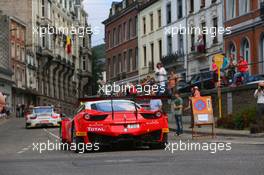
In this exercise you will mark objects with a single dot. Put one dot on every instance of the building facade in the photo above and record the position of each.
(150, 37)
(246, 18)
(175, 36)
(201, 47)
(121, 41)
(58, 63)
(6, 72)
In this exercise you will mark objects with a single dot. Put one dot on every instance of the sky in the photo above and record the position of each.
(98, 11)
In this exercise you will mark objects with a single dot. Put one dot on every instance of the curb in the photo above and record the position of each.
(260, 135)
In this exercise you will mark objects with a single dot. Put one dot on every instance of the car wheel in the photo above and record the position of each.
(77, 141)
(160, 145)
(27, 126)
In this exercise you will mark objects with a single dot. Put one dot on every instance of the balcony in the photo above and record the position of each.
(174, 59)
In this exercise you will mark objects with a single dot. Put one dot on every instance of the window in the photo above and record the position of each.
(191, 6)
(151, 22)
(119, 34)
(114, 66)
(130, 26)
(145, 55)
(180, 43)
(129, 59)
(43, 8)
(192, 39)
(48, 10)
(124, 31)
(168, 13)
(152, 56)
(119, 63)
(246, 50)
(244, 6)
(159, 18)
(262, 52)
(169, 44)
(231, 9)
(114, 37)
(124, 62)
(84, 63)
(136, 26)
(202, 3)
(136, 59)
(109, 68)
(232, 50)
(144, 25)
(18, 52)
(180, 8)
(215, 24)
(160, 49)
(23, 54)
(109, 39)
(13, 50)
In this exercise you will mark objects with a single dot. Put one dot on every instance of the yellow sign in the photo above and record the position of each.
(219, 59)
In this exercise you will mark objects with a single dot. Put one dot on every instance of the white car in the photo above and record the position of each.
(42, 116)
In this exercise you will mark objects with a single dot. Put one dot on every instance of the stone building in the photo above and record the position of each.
(204, 14)
(121, 41)
(246, 18)
(58, 63)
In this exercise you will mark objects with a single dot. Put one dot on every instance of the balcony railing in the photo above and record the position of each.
(173, 59)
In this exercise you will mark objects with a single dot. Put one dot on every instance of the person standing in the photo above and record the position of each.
(259, 94)
(161, 78)
(242, 68)
(172, 83)
(178, 106)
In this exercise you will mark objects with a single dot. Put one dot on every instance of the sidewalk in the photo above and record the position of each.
(208, 129)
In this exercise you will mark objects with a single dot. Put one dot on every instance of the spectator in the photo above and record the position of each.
(231, 67)
(161, 78)
(172, 84)
(242, 68)
(155, 104)
(259, 94)
(195, 93)
(215, 72)
(178, 105)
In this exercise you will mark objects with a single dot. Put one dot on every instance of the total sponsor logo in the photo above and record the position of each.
(96, 129)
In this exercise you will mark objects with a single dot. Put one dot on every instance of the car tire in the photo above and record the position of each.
(76, 140)
(161, 145)
(27, 125)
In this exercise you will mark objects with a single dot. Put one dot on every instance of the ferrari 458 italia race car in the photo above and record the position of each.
(42, 116)
(111, 122)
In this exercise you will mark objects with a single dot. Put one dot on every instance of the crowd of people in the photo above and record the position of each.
(232, 73)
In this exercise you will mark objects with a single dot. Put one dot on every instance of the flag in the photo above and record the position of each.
(68, 45)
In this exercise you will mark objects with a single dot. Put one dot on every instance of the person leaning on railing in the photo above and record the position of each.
(242, 68)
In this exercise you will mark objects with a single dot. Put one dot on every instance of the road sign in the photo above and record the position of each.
(202, 113)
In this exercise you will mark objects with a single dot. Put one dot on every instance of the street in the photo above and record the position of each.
(17, 156)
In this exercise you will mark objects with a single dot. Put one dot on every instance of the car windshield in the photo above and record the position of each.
(118, 106)
(43, 110)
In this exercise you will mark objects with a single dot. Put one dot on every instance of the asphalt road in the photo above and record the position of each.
(17, 156)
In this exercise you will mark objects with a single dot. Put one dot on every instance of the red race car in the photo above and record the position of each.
(109, 122)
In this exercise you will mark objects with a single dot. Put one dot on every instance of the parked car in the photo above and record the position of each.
(203, 80)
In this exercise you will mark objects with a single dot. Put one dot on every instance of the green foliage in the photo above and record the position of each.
(98, 53)
(240, 120)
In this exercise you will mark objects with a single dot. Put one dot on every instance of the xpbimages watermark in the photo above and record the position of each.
(182, 30)
(212, 147)
(57, 146)
(79, 31)
(107, 89)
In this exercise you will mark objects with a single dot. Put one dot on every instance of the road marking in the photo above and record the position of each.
(19, 152)
(118, 161)
(54, 135)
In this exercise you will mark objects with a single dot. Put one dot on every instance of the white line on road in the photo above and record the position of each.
(54, 135)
